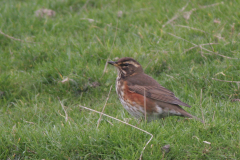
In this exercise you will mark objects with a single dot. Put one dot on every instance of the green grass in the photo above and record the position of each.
(32, 122)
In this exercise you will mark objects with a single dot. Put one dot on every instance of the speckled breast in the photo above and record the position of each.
(133, 108)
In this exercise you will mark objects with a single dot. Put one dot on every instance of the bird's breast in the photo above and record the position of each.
(133, 99)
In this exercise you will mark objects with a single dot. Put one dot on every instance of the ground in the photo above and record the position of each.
(53, 61)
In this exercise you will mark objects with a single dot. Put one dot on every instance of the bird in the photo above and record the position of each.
(142, 96)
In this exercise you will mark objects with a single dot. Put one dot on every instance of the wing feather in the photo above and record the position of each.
(154, 91)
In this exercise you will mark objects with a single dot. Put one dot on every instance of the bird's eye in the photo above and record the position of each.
(125, 64)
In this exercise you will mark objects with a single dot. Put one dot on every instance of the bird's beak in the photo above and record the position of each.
(112, 63)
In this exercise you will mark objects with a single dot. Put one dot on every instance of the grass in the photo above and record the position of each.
(32, 121)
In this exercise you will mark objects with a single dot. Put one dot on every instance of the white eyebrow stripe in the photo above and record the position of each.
(129, 62)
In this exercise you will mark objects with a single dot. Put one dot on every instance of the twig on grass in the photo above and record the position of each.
(190, 28)
(90, 20)
(147, 64)
(199, 46)
(213, 116)
(226, 81)
(211, 5)
(16, 39)
(187, 14)
(202, 54)
(145, 109)
(29, 122)
(189, 49)
(109, 122)
(126, 124)
(180, 38)
(195, 137)
(201, 108)
(99, 41)
(66, 115)
(176, 15)
(104, 106)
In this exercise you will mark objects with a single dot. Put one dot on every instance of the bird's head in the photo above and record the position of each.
(127, 67)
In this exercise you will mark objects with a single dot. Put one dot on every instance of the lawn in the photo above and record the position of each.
(51, 65)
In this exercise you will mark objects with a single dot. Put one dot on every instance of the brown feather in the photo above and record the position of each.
(168, 107)
(153, 89)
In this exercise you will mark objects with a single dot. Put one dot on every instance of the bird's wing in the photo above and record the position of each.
(154, 91)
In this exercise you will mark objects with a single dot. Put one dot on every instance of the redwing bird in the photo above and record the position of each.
(142, 96)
